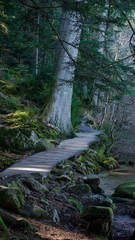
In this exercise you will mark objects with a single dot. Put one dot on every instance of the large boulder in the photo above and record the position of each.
(11, 198)
(100, 220)
(20, 140)
(92, 179)
(80, 189)
(125, 190)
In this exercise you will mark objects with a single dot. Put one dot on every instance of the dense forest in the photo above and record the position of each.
(68, 66)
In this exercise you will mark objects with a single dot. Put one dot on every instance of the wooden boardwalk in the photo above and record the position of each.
(44, 161)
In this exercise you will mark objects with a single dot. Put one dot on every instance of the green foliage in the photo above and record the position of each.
(11, 103)
(76, 111)
(76, 203)
(2, 225)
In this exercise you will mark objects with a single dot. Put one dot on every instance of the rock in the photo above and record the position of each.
(97, 190)
(11, 198)
(56, 216)
(121, 162)
(20, 140)
(39, 213)
(122, 200)
(25, 225)
(13, 221)
(80, 189)
(101, 200)
(100, 220)
(35, 185)
(131, 163)
(125, 190)
(92, 179)
(61, 197)
(63, 178)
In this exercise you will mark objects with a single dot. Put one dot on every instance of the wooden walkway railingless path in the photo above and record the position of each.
(44, 161)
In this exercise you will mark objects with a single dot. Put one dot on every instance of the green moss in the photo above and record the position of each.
(110, 163)
(121, 162)
(77, 204)
(8, 88)
(11, 198)
(98, 212)
(131, 163)
(6, 161)
(80, 189)
(18, 118)
(125, 190)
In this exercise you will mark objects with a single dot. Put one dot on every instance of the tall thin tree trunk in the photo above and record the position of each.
(58, 110)
(37, 48)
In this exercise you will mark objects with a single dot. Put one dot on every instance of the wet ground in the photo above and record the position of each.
(110, 180)
(124, 214)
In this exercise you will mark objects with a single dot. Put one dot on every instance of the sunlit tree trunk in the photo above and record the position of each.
(58, 110)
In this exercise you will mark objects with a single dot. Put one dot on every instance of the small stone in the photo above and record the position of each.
(56, 216)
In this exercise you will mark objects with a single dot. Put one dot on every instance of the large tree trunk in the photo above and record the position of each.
(58, 110)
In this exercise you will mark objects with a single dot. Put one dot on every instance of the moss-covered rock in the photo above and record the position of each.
(121, 162)
(100, 220)
(131, 163)
(39, 213)
(92, 179)
(110, 163)
(11, 198)
(80, 189)
(101, 200)
(25, 225)
(20, 140)
(125, 190)
(35, 185)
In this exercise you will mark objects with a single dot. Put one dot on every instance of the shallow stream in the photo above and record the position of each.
(124, 214)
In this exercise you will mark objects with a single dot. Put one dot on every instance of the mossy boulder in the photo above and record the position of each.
(25, 225)
(101, 200)
(125, 190)
(80, 189)
(20, 140)
(100, 220)
(39, 213)
(131, 163)
(11, 198)
(93, 212)
(92, 179)
(34, 185)
(110, 163)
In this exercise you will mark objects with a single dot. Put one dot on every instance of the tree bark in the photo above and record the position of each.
(58, 110)
(37, 48)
